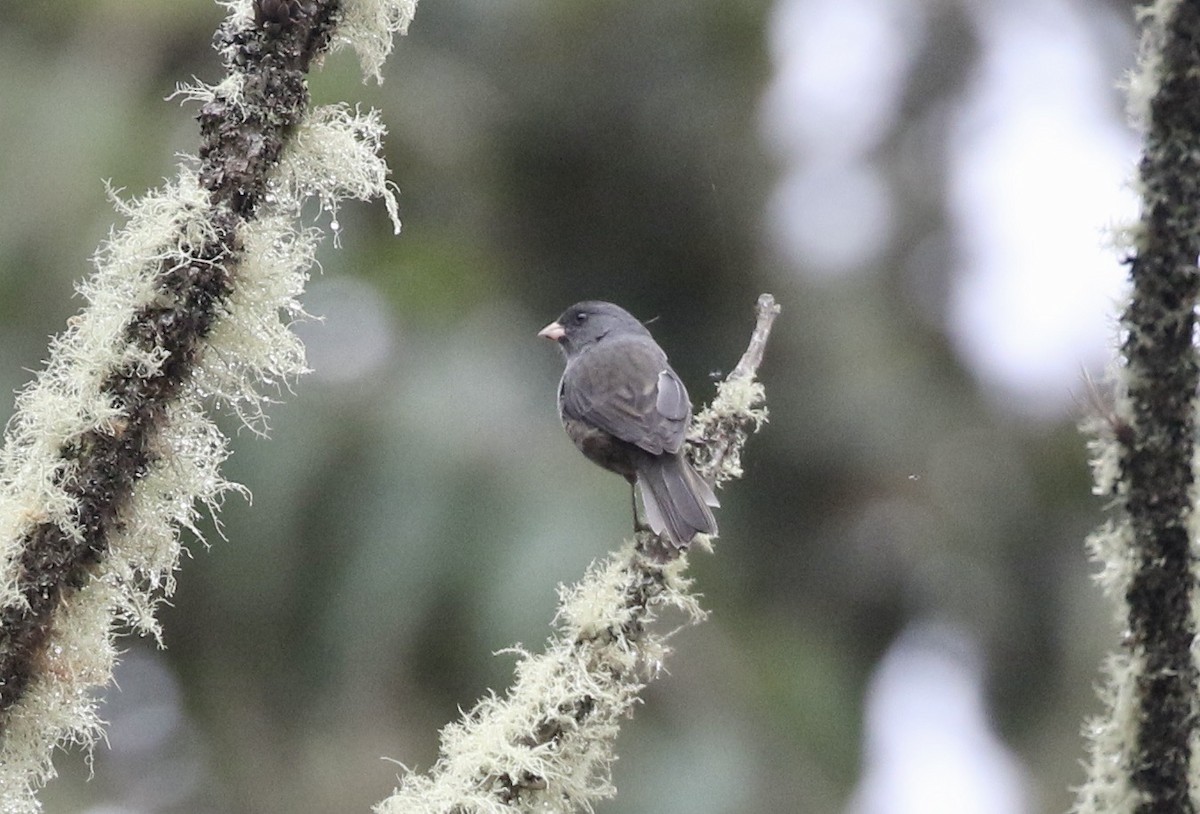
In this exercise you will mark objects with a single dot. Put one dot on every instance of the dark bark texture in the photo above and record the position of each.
(241, 142)
(1157, 458)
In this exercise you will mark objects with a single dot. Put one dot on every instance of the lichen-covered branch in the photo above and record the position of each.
(548, 744)
(110, 449)
(719, 431)
(1143, 753)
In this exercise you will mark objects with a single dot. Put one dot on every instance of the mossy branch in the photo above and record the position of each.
(1142, 754)
(110, 449)
(548, 744)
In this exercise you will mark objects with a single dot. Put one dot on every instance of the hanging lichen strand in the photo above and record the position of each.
(110, 450)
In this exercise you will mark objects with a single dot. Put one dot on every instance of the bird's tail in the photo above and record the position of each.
(677, 500)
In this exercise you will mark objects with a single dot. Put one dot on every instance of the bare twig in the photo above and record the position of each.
(747, 367)
(719, 431)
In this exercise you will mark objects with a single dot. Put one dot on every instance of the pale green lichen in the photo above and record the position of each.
(335, 155)
(1142, 82)
(1111, 547)
(737, 409)
(1107, 789)
(250, 352)
(549, 743)
(369, 27)
(1105, 418)
(62, 712)
(65, 400)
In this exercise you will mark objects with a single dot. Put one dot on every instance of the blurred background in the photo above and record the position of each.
(902, 614)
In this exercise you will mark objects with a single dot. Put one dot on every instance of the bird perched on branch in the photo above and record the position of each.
(627, 410)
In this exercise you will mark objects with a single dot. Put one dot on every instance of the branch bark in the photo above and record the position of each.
(1142, 755)
(110, 447)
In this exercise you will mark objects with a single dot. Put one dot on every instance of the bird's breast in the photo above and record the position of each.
(603, 449)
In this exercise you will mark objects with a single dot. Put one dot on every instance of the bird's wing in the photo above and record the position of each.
(630, 391)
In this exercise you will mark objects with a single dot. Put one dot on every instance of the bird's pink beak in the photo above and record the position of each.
(552, 331)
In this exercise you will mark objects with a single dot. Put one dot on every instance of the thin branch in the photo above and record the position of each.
(549, 743)
(720, 431)
(747, 367)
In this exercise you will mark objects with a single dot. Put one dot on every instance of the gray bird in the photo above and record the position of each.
(627, 410)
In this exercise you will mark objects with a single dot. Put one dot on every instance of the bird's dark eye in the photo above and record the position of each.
(581, 317)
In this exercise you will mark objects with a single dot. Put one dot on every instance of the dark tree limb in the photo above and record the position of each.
(1142, 755)
(1163, 375)
(110, 448)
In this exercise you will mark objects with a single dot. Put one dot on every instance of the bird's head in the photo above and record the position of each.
(585, 323)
